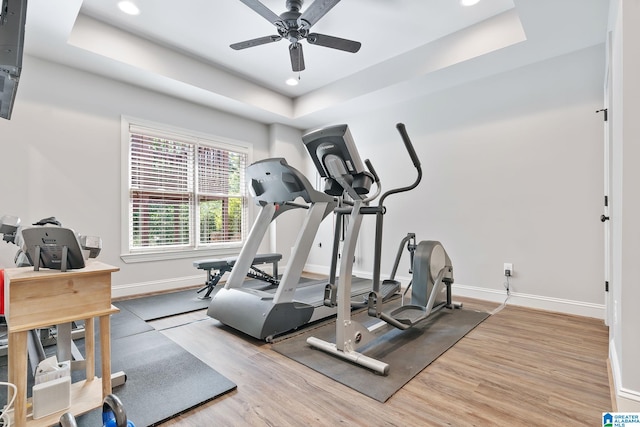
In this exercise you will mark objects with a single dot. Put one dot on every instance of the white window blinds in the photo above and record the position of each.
(220, 194)
(184, 192)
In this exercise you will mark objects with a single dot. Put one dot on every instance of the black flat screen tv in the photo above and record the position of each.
(13, 15)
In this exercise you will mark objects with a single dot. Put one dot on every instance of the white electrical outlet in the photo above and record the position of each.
(508, 267)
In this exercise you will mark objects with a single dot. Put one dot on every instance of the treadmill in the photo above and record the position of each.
(264, 312)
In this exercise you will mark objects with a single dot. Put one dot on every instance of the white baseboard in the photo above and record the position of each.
(316, 269)
(141, 288)
(577, 308)
(524, 300)
(626, 400)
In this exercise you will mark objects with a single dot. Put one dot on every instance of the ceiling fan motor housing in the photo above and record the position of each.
(290, 27)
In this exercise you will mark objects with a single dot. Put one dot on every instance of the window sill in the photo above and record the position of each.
(132, 258)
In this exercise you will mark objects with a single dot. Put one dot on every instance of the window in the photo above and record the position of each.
(185, 192)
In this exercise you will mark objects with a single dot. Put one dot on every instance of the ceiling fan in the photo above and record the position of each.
(294, 26)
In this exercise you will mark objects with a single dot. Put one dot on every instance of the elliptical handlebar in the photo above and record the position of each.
(376, 179)
(407, 143)
(372, 170)
(416, 163)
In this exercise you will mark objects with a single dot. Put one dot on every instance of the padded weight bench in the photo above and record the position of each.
(216, 268)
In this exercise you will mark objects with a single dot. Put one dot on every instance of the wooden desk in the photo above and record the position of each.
(37, 299)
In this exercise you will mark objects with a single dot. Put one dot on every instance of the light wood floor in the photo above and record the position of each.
(520, 367)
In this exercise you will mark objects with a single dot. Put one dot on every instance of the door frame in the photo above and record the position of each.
(607, 139)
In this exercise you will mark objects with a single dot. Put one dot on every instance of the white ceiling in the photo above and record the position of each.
(409, 48)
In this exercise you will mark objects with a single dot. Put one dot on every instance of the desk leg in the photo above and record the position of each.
(18, 374)
(105, 353)
(90, 349)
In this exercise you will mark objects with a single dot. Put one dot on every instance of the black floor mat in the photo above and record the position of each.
(164, 305)
(407, 352)
(126, 323)
(163, 380)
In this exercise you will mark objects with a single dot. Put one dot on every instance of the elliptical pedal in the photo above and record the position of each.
(389, 288)
(409, 315)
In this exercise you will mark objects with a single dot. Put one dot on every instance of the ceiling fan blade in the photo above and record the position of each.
(262, 10)
(297, 58)
(255, 42)
(334, 42)
(317, 10)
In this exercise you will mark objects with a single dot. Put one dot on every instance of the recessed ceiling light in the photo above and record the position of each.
(292, 81)
(129, 8)
(469, 2)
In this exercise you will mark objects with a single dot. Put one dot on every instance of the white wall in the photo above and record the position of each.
(512, 173)
(625, 203)
(61, 157)
(285, 142)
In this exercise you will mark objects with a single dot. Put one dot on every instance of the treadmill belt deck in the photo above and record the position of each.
(311, 291)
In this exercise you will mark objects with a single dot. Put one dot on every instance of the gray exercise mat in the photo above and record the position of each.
(407, 352)
(164, 305)
(125, 323)
(163, 380)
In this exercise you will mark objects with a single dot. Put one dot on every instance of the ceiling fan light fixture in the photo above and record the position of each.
(129, 7)
(469, 2)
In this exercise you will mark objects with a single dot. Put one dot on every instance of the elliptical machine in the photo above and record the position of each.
(338, 161)
(432, 277)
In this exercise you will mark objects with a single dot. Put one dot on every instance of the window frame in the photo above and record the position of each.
(157, 254)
